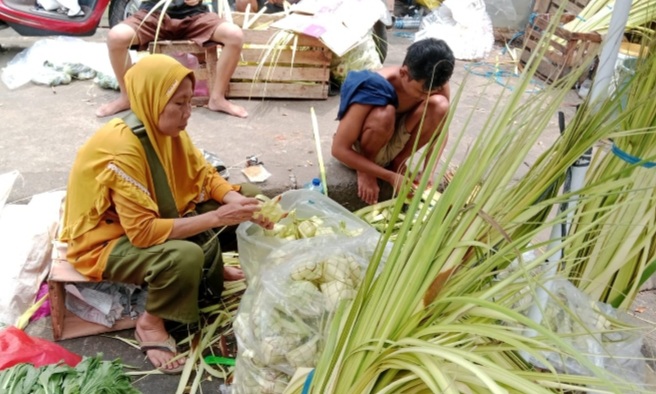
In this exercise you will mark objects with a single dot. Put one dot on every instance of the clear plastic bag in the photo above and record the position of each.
(364, 56)
(294, 286)
(254, 245)
(592, 328)
(59, 51)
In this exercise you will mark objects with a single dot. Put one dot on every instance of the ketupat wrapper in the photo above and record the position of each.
(312, 272)
(338, 268)
(312, 305)
(304, 355)
(270, 208)
(336, 291)
(306, 229)
(274, 348)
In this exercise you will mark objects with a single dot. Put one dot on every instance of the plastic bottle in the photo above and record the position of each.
(407, 22)
(315, 184)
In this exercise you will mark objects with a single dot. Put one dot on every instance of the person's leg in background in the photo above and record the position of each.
(232, 38)
(120, 39)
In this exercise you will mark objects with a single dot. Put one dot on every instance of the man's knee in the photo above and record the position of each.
(229, 34)
(438, 105)
(121, 36)
(381, 120)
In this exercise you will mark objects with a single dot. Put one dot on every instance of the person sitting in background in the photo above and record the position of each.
(380, 113)
(128, 219)
(183, 20)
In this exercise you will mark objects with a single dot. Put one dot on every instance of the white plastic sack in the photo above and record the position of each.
(29, 63)
(26, 233)
(464, 25)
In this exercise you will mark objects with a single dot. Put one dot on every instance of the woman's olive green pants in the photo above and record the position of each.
(171, 271)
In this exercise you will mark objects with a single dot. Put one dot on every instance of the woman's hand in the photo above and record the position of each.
(262, 221)
(237, 211)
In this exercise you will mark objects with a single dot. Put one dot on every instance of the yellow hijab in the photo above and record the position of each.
(114, 159)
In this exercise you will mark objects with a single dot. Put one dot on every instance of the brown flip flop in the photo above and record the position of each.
(168, 345)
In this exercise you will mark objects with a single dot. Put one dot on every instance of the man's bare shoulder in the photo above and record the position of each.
(389, 71)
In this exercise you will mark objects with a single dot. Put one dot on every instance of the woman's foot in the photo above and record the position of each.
(232, 273)
(113, 107)
(158, 345)
(224, 105)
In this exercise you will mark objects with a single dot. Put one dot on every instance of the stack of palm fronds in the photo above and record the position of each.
(616, 254)
(443, 315)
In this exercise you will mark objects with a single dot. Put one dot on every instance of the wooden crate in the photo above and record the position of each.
(300, 73)
(566, 50)
(573, 7)
(65, 324)
(303, 73)
(206, 57)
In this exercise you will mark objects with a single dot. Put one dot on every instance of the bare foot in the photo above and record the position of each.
(232, 273)
(223, 105)
(150, 329)
(368, 188)
(113, 107)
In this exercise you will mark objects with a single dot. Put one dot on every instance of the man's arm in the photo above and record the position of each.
(348, 132)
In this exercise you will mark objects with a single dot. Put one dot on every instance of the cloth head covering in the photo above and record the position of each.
(113, 159)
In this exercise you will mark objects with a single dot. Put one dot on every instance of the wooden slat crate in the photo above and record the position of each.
(206, 56)
(65, 324)
(573, 7)
(566, 50)
(301, 73)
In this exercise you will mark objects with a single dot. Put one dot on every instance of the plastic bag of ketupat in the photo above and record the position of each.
(363, 56)
(310, 216)
(287, 309)
(297, 274)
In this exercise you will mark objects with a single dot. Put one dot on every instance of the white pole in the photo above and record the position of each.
(600, 88)
(609, 50)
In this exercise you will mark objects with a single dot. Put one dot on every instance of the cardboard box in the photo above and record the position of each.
(340, 24)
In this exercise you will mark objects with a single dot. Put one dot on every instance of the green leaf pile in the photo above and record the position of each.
(91, 376)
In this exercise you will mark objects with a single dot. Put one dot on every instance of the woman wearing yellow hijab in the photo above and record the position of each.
(112, 222)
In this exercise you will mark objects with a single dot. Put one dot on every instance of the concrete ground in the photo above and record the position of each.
(43, 127)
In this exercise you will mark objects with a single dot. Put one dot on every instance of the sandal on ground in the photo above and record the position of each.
(168, 345)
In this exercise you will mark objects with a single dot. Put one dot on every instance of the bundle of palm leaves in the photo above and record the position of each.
(445, 314)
